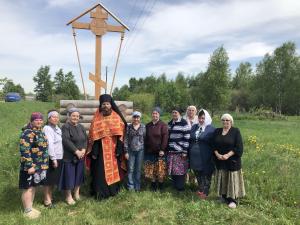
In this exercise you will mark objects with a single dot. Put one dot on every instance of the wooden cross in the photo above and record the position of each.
(99, 27)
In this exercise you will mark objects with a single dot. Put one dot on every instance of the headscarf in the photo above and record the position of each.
(108, 98)
(36, 116)
(178, 109)
(72, 110)
(157, 109)
(136, 114)
(207, 120)
(53, 113)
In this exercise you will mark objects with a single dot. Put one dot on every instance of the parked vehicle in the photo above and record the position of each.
(12, 97)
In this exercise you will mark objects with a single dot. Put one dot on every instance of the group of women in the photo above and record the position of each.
(51, 156)
(193, 144)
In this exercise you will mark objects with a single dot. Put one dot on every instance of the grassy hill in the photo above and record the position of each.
(271, 165)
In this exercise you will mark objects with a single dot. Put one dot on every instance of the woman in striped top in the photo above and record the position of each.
(178, 144)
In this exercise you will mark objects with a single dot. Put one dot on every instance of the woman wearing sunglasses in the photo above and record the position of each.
(228, 149)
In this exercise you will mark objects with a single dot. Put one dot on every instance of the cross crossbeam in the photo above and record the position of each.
(99, 27)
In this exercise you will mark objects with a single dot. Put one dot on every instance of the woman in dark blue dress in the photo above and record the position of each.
(200, 152)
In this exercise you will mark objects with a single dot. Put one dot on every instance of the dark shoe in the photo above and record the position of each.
(153, 186)
(49, 206)
(222, 200)
(160, 186)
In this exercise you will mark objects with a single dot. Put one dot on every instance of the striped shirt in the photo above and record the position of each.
(179, 135)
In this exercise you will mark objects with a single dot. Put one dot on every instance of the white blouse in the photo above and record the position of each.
(55, 147)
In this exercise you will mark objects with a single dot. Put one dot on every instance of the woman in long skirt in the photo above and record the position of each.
(228, 149)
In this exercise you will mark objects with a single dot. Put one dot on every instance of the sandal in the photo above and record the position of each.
(77, 197)
(70, 202)
(49, 206)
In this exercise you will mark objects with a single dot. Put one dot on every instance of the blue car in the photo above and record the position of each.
(12, 97)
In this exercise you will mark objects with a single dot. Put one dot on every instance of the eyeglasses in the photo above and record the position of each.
(225, 120)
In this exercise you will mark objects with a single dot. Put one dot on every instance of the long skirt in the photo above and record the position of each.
(53, 174)
(72, 175)
(230, 183)
(155, 167)
(177, 165)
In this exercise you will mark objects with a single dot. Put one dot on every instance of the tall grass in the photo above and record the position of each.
(271, 168)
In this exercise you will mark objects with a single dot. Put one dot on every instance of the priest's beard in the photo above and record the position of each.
(106, 111)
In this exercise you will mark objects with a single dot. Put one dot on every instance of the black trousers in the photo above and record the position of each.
(204, 181)
(178, 182)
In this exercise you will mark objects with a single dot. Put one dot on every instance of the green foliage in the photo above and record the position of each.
(182, 85)
(277, 80)
(242, 77)
(9, 86)
(274, 84)
(44, 85)
(167, 96)
(195, 90)
(270, 167)
(121, 94)
(241, 83)
(167, 93)
(142, 102)
(59, 82)
(65, 86)
(3, 81)
(214, 85)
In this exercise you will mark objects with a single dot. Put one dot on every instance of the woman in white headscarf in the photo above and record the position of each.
(200, 152)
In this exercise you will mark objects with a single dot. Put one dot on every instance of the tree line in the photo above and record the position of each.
(63, 86)
(9, 86)
(274, 85)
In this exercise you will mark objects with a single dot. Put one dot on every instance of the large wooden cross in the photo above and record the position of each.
(99, 27)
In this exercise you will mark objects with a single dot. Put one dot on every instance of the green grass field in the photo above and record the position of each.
(271, 165)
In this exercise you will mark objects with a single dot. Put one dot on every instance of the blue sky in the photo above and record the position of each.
(167, 36)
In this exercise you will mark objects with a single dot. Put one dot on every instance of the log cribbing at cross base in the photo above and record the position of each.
(87, 108)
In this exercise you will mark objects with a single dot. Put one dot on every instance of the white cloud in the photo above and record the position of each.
(176, 28)
(249, 50)
(24, 49)
(190, 31)
(192, 63)
(61, 3)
